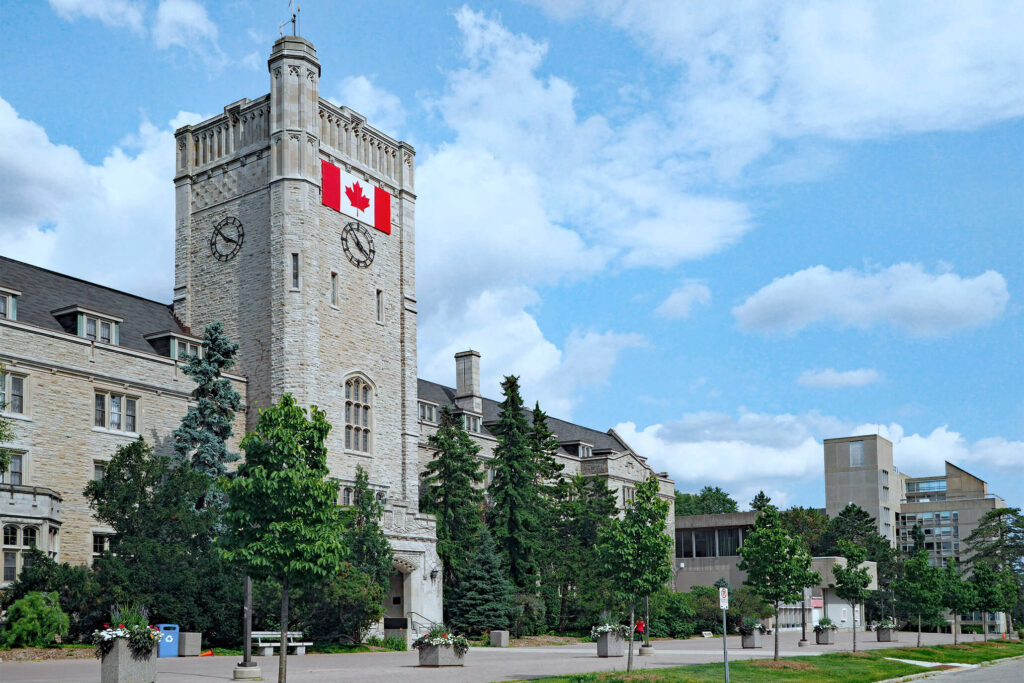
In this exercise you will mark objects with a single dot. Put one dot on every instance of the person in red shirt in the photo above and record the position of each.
(640, 628)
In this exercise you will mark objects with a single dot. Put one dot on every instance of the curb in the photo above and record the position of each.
(929, 674)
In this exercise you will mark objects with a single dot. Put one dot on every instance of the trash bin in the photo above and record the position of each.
(168, 640)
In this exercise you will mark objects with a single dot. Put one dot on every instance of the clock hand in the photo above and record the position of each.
(359, 244)
(226, 238)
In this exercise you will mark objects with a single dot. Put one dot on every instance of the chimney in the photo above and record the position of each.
(467, 382)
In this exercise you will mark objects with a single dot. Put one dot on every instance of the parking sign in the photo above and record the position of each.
(723, 598)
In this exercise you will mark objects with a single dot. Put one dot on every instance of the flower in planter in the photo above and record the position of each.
(887, 624)
(439, 635)
(133, 626)
(749, 625)
(824, 624)
(607, 627)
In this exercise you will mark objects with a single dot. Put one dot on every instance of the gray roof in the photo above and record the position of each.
(564, 431)
(44, 291)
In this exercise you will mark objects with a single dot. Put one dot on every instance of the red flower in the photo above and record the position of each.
(120, 625)
(106, 625)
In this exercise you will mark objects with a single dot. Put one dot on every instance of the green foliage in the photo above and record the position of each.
(996, 590)
(76, 588)
(450, 491)
(282, 519)
(636, 549)
(528, 615)
(760, 502)
(778, 566)
(998, 540)
(852, 581)
(543, 445)
(365, 543)
(164, 560)
(339, 608)
(807, 524)
(956, 594)
(483, 597)
(710, 501)
(517, 504)
(34, 621)
(919, 589)
(573, 582)
(707, 615)
(672, 615)
(855, 525)
(394, 643)
(202, 436)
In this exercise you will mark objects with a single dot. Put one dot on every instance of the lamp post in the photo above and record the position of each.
(803, 619)
(247, 669)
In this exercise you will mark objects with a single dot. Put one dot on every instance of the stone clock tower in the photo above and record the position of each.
(321, 301)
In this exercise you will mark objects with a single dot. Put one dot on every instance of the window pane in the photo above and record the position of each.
(98, 470)
(98, 545)
(10, 535)
(90, 328)
(105, 333)
(366, 394)
(856, 454)
(17, 395)
(366, 442)
(728, 542)
(348, 412)
(3, 391)
(129, 414)
(28, 536)
(295, 271)
(704, 543)
(115, 412)
(348, 389)
(100, 419)
(366, 416)
(3, 306)
(348, 436)
(15, 469)
(10, 566)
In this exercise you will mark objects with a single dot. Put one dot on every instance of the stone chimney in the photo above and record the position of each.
(467, 382)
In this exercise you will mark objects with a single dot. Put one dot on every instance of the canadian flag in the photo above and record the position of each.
(357, 198)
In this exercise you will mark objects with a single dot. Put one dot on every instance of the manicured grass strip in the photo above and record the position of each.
(843, 667)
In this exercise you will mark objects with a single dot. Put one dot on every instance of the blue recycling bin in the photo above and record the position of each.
(168, 640)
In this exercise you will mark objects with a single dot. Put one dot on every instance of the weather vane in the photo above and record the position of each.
(294, 21)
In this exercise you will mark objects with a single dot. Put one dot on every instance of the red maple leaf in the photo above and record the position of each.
(356, 197)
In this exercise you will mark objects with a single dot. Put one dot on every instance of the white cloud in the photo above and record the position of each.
(681, 301)
(109, 12)
(754, 73)
(779, 453)
(903, 295)
(834, 379)
(60, 212)
(383, 109)
(184, 23)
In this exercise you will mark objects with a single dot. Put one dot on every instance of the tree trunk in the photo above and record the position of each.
(919, 629)
(282, 661)
(853, 612)
(632, 615)
(776, 632)
(984, 624)
(561, 609)
(956, 618)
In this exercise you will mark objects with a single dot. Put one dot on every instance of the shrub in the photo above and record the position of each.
(375, 641)
(824, 624)
(529, 618)
(395, 643)
(672, 616)
(34, 621)
(76, 588)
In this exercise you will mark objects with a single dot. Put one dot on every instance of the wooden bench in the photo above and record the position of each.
(266, 641)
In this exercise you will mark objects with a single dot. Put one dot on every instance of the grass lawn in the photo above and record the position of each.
(860, 667)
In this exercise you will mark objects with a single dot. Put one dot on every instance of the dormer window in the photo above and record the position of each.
(472, 423)
(428, 412)
(175, 345)
(91, 324)
(583, 450)
(9, 303)
(586, 450)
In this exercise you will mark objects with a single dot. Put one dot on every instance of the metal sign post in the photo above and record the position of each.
(723, 602)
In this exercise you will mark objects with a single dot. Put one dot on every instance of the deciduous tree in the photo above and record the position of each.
(710, 501)
(957, 594)
(852, 581)
(919, 589)
(282, 521)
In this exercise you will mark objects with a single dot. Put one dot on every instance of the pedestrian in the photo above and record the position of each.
(640, 628)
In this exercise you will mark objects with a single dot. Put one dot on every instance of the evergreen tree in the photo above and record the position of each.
(517, 505)
(365, 544)
(760, 502)
(282, 520)
(544, 444)
(957, 595)
(483, 597)
(808, 524)
(998, 540)
(451, 492)
(778, 566)
(855, 525)
(996, 589)
(637, 550)
(852, 581)
(919, 590)
(710, 501)
(202, 436)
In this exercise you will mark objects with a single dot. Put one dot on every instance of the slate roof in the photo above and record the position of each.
(44, 291)
(564, 431)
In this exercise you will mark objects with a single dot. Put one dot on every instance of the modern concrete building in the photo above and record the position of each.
(318, 291)
(707, 550)
(860, 470)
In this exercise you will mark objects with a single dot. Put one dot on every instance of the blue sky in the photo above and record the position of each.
(728, 232)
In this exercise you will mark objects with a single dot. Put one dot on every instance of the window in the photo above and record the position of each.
(628, 494)
(704, 543)
(885, 477)
(428, 412)
(186, 349)
(885, 493)
(929, 485)
(12, 393)
(358, 402)
(100, 544)
(334, 289)
(90, 328)
(8, 304)
(11, 535)
(10, 565)
(99, 469)
(116, 412)
(585, 450)
(15, 545)
(104, 332)
(28, 536)
(380, 306)
(3, 305)
(346, 496)
(98, 329)
(728, 542)
(856, 454)
(295, 271)
(471, 423)
(15, 470)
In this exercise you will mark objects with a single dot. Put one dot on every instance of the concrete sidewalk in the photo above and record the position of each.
(482, 664)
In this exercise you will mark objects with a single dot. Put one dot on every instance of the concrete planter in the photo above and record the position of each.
(753, 640)
(190, 644)
(499, 638)
(611, 645)
(440, 655)
(122, 666)
(886, 635)
(826, 637)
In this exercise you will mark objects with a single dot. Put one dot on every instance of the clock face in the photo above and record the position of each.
(226, 239)
(358, 245)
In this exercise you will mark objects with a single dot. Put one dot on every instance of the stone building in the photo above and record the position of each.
(294, 227)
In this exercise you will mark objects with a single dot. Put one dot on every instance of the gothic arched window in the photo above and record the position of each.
(358, 417)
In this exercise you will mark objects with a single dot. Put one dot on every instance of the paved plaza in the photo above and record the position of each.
(482, 664)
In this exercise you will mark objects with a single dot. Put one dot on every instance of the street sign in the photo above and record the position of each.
(723, 598)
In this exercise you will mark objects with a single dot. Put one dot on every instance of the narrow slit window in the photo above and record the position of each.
(295, 271)
(380, 306)
(334, 289)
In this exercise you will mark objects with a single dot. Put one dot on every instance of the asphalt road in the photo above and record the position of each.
(482, 664)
